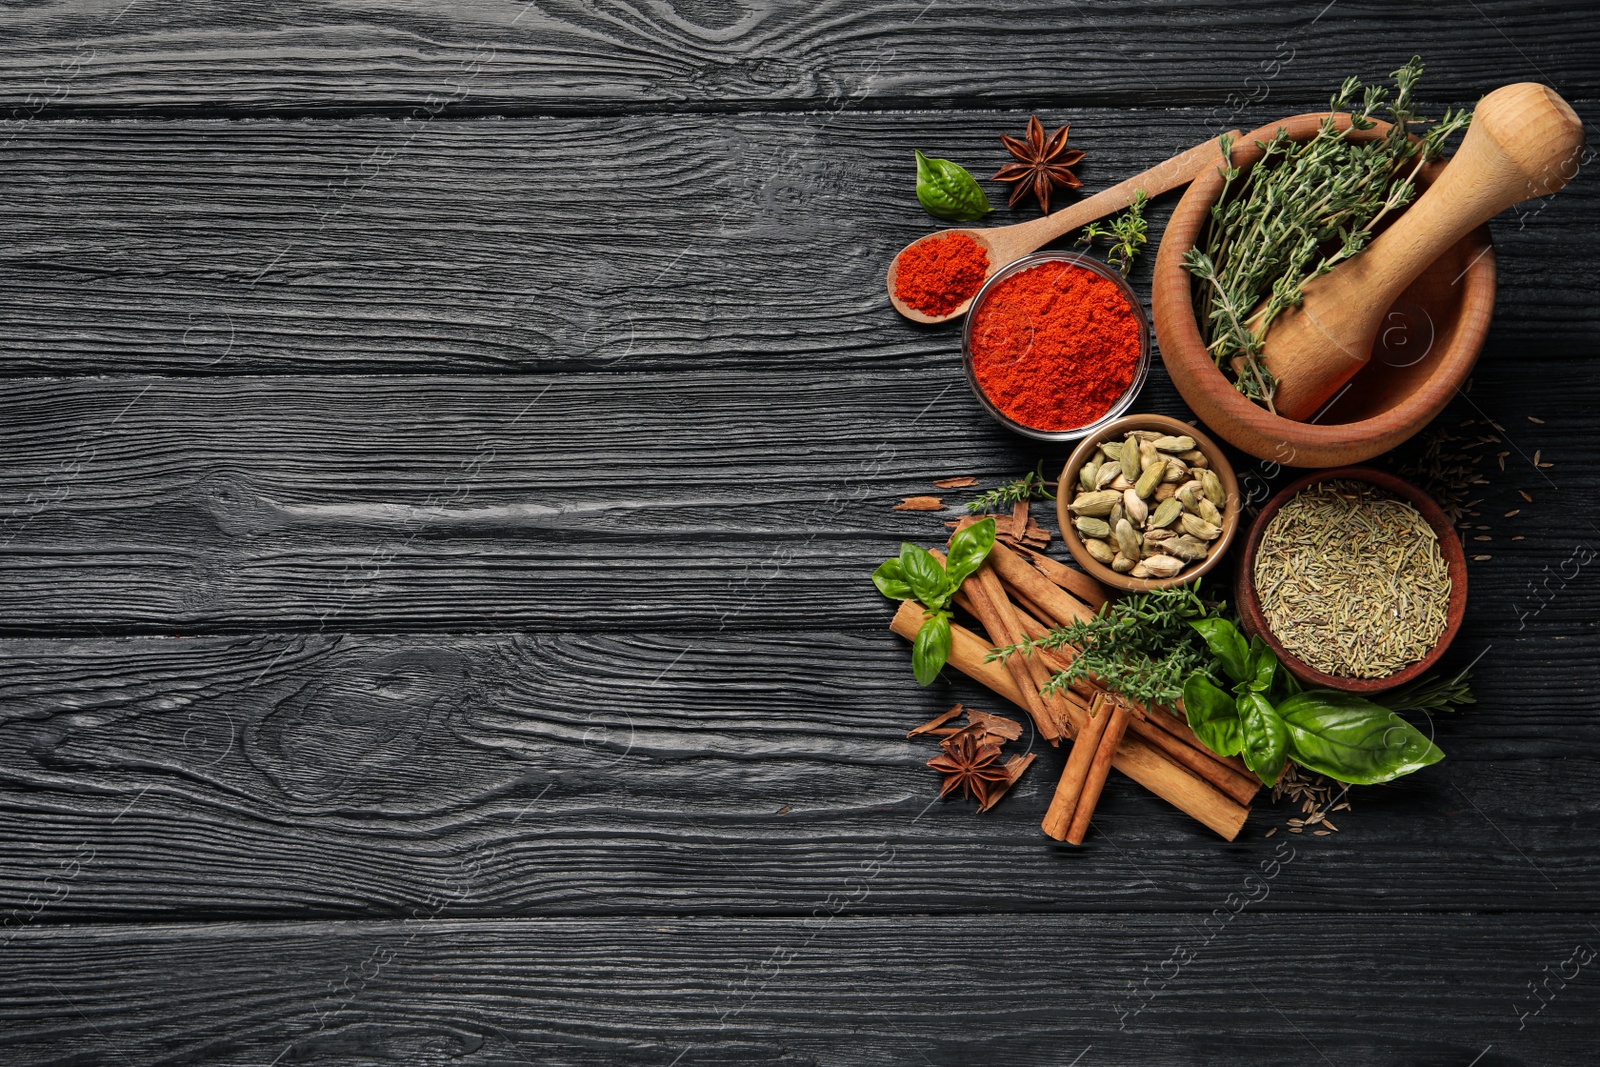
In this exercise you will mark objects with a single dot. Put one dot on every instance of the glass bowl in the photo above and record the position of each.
(1139, 374)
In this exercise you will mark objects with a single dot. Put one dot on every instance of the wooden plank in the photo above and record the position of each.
(708, 773)
(752, 242)
(488, 56)
(995, 988)
(187, 505)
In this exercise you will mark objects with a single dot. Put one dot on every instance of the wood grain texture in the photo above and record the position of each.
(556, 244)
(186, 505)
(710, 774)
(489, 56)
(830, 989)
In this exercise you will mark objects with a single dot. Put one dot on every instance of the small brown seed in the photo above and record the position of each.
(1164, 491)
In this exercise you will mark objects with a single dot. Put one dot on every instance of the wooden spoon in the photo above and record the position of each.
(1524, 142)
(1007, 244)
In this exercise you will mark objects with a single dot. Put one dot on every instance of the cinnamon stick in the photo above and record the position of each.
(1207, 764)
(1075, 582)
(1099, 768)
(1035, 667)
(1135, 758)
(1018, 573)
(1058, 817)
(985, 607)
(1175, 726)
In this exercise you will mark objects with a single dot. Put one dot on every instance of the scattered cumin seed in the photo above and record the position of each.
(1481, 558)
(1546, 465)
(1295, 830)
(1536, 454)
(1523, 493)
(1482, 537)
(1497, 426)
(1519, 537)
(1319, 833)
(1270, 832)
(1535, 420)
(1513, 511)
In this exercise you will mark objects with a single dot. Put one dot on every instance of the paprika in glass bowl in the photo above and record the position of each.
(1056, 345)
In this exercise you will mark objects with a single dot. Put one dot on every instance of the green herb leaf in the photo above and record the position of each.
(924, 574)
(1265, 737)
(1212, 715)
(1351, 739)
(968, 549)
(890, 582)
(931, 648)
(1227, 644)
(1263, 666)
(947, 191)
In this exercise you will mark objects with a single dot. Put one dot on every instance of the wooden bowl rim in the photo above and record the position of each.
(1171, 285)
(1249, 604)
(1166, 423)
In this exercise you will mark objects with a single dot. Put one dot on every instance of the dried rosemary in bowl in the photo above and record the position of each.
(1352, 581)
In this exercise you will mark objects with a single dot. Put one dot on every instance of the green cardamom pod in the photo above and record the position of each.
(946, 191)
(1175, 444)
(1108, 474)
(1149, 480)
(1086, 473)
(1100, 551)
(1098, 504)
(1212, 486)
(1090, 527)
(1195, 526)
(1166, 512)
(1128, 542)
(1130, 459)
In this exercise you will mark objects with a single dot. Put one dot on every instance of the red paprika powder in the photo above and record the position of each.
(940, 273)
(1055, 346)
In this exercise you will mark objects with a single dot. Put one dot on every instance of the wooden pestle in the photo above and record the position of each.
(1524, 142)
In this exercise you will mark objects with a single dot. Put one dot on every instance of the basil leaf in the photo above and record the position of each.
(923, 573)
(1265, 737)
(1211, 714)
(968, 549)
(889, 582)
(947, 191)
(1227, 644)
(1263, 666)
(931, 647)
(1351, 739)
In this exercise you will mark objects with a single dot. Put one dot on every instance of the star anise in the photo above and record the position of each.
(1041, 164)
(971, 767)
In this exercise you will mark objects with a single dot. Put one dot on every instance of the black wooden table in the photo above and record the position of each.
(442, 452)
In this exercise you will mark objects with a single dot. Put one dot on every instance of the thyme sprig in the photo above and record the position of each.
(1140, 646)
(1126, 233)
(1030, 487)
(1301, 210)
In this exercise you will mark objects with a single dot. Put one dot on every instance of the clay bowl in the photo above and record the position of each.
(1429, 342)
(1249, 606)
(1066, 485)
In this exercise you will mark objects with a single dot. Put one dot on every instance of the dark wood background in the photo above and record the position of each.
(442, 451)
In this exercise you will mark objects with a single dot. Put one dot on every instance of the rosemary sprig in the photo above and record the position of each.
(1126, 233)
(1304, 208)
(1030, 487)
(1432, 693)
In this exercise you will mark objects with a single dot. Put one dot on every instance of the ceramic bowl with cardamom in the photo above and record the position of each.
(1168, 525)
(1247, 598)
